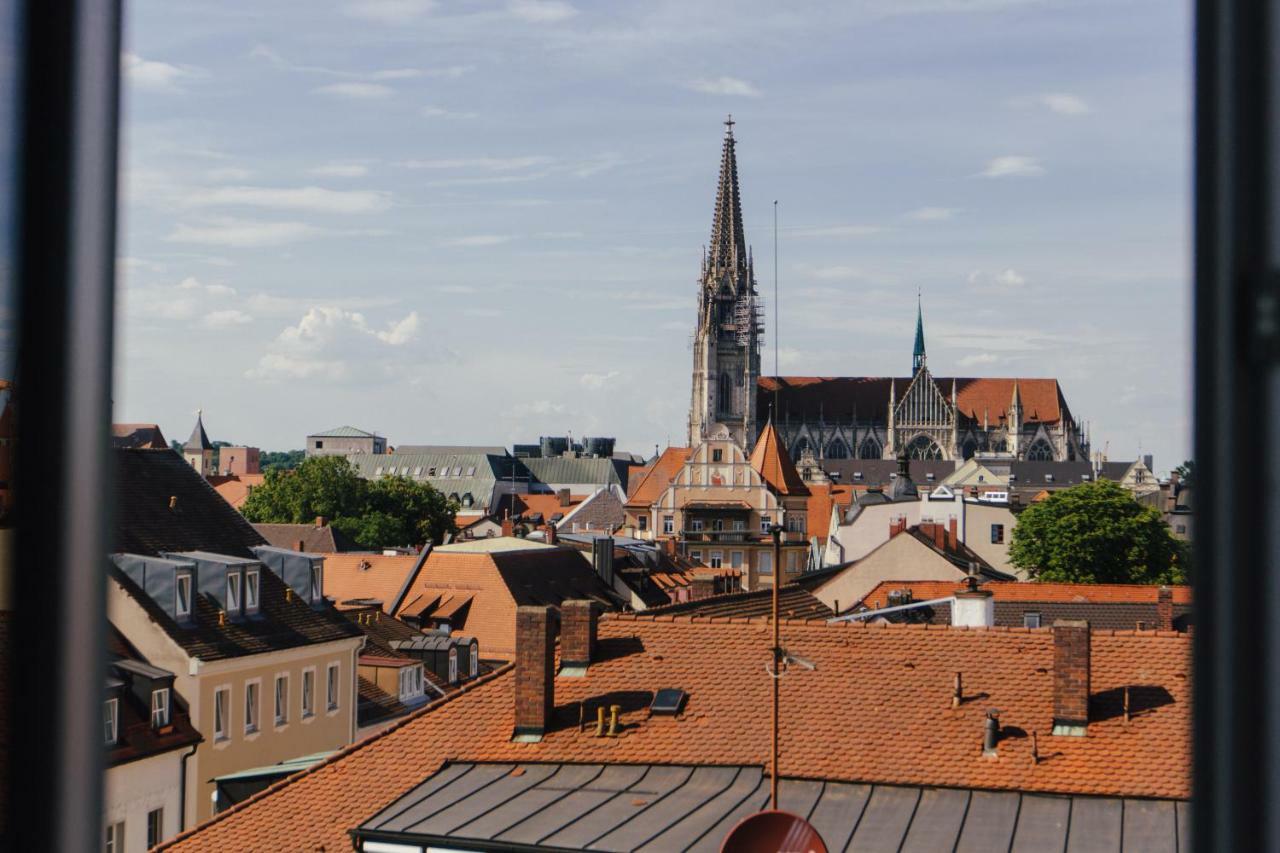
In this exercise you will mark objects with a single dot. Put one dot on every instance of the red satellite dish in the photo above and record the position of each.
(773, 832)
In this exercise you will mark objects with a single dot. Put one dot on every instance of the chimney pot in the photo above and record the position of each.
(973, 607)
(550, 533)
(173, 501)
(578, 621)
(1164, 609)
(535, 676)
(1071, 667)
(991, 734)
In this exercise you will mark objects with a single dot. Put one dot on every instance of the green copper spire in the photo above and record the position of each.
(917, 357)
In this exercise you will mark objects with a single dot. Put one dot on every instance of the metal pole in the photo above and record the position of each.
(776, 532)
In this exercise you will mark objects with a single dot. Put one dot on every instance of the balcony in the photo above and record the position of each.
(721, 536)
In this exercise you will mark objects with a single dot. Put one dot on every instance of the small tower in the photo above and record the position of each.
(1015, 421)
(198, 451)
(726, 342)
(918, 356)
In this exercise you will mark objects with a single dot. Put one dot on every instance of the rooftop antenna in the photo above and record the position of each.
(777, 328)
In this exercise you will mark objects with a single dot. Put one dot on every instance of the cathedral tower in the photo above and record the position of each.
(726, 343)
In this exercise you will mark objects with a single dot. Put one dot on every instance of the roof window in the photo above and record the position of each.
(668, 701)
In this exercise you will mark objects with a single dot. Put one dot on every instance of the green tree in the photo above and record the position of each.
(381, 513)
(1096, 533)
(281, 459)
(1186, 472)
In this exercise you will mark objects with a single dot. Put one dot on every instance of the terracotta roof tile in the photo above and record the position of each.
(658, 477)
(1102, 593)
(771, 461)
(876, 709)
(349, 577)
(235, 488)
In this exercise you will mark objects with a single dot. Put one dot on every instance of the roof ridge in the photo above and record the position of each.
(341, 753)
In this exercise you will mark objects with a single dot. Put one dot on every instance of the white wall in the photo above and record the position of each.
(136, 788)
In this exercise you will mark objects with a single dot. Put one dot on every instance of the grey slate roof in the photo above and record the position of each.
(584, 469)
(877, 472)
(624, 807)
(1114, 470)
(1036, 474)
(452, 449)
(199, 440)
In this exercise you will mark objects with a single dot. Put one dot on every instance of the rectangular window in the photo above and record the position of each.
(182, 603)
(765, 563)
(697, 525)
(793, 561)
(717, 455)
(331, 687)
(795, 524)
(319, 444)
(308, 692)
(155, 827)
(251, 707)
(997, 534)
(717, 524)
(696, 556)
(717, 559)
(668, 524)
(1030, 619)
(317, 583)
(643, 523)
(251, 591)
(453, 665)
(111, 720)
(739, 525)
(233, 593)
(735, 559)
(221, 712)
(160, 708)
(475, 660)
(282, 699)
(114, 840)
(764, 524)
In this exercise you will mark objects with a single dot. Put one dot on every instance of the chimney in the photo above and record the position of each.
(550, 533)
(577, 636)
(563, 495)
(953, 541)
(298, 545)
(535, 676)
(939, 536)
(1070, 677)
(703, 586)
(669, 545)
(508, 529)
(321, 521)
(974, 607)
(1164, 609)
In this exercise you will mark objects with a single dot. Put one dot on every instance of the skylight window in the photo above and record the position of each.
(233, 592)
(668, 701)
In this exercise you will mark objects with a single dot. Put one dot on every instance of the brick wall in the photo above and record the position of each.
(535, 663)
(577, 633)
(1070, 672)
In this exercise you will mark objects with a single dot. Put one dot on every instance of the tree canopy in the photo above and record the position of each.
(1186, 472)
(1096, 533)
(391, 511)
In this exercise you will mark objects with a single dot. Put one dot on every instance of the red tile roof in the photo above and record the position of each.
(235, 488)
(821, 498)
(770, 460)
(658, 477)
(349, 577)
(876, 709)
(1081, 593)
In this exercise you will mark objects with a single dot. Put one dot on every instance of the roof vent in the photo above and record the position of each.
(857, 475)
(173, 501)
(1048, 478)
(929, 477)
(668, 702)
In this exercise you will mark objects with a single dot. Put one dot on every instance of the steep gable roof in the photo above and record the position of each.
(772, 462)
(199, 440)
(322, 539)
(658, 477)
(350, 578)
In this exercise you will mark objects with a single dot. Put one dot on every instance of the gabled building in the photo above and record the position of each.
(266, 664)
(318, 538)
(1063, 738)
(138, 436)
(148, 735)
(198, 451)
(345, 441)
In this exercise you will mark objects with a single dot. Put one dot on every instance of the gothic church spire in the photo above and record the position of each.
(917, 356)
(728, 250)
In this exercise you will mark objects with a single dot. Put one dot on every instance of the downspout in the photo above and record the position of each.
(182, 788)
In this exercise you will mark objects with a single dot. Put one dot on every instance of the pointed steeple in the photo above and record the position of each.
(728, 251)
(772, 462)
(917, 355)
(199, 440)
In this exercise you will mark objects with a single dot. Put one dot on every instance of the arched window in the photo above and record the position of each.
(970, 448)
(923, 447)
(870, 449)
(1040, 451)
(726, 394)
(837, 450)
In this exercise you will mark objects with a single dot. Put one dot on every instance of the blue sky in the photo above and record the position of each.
(480, 222)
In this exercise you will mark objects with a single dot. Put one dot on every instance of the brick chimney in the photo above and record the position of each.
(896, 526)
(939, 536)
(953, 535)
(321, 521)
(577, 634)
(508, 529)
(535, 675)
(563, 496)
(550, 532)
(703, 586)
(1164, 609)
(298, 545)
(1070, 677)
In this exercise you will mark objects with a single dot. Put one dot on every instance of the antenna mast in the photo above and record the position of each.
(777, 328)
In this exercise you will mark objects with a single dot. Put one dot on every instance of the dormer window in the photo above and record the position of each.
(233, 593)
(317, 583)
(111, 720)
(251, 591)
(410, 683)
(453, 665)
(182, 596)
(160, 708)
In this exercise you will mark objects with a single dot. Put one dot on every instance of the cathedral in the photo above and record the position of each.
(867, 417)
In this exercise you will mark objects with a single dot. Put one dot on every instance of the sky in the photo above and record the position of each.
(481, 222)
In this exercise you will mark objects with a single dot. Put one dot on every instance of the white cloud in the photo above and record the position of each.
(357, 91)
(189, 300)
(541, 11)
(597, 164)
(152, 76)
(1005, 280)
(724, 86)
(977, 360)
(226, 319)
(228, 173)
(839, 231)
(311, 199)
(431, 111)
(596, 381)
(488, 164)
(1060, 102)
(341, 170)
(331, 343)
(477, 240)
(389, 11)
(1013, 166)
(242, 233)
(932, 214)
